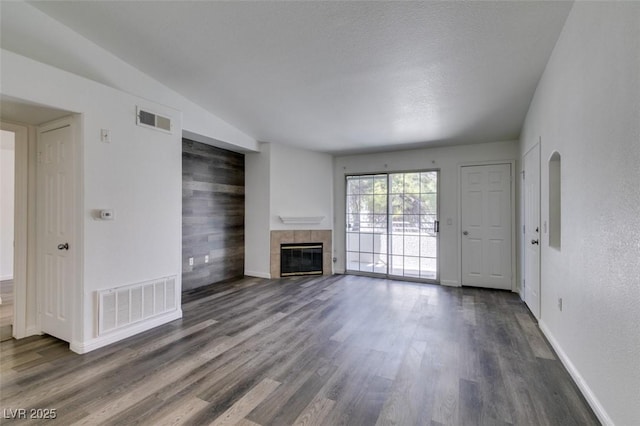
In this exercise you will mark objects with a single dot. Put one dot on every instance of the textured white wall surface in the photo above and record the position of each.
(257, 169)
(283, 181)
(301, 185)
(138, 174)
(447, 160)
(7, 179)
(587, 107)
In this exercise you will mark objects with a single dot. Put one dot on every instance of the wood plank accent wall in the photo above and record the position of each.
(212, 214)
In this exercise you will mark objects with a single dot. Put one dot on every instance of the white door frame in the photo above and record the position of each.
(21, 184)
(75, 232)
(513, 216)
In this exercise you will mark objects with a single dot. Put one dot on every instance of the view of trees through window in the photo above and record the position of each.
(392, 224)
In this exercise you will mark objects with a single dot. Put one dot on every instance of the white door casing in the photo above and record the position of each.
(531, 220)
(486, 225)
(21, 228)
(55, 228)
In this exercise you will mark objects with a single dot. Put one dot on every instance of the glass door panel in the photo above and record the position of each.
(367, 217)
(414, 224)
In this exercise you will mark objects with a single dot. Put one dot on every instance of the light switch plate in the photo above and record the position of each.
(105, 135)
(107, 214)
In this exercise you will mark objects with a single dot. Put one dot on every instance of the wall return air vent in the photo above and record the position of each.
(123, 306)
(151, 119)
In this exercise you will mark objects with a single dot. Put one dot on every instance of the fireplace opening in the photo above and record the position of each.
(300, 259)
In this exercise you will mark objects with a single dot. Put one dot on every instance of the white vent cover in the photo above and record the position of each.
(150, 119)
(123, 306)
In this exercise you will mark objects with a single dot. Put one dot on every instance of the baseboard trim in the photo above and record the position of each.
(258, 274)
(450, 283)
(99, 342)
(30, 331)
(588, 394)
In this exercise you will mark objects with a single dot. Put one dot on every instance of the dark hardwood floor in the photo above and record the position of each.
(311, 351)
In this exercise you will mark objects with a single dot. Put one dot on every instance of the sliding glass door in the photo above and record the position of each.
(392, 224)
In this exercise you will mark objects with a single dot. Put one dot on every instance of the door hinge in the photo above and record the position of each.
(39, 157)
(523, 229)
(523, 175)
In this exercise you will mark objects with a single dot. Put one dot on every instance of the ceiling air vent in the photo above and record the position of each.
(153, 120)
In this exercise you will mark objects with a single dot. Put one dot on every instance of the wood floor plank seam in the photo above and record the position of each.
(315, 413)
(247, 403)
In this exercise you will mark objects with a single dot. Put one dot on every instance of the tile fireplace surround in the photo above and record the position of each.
(301, 236)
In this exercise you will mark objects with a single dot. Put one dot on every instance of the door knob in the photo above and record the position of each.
(465, 232)
(64, 246)
(535, 242)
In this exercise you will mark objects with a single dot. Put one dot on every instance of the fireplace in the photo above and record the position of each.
(301, 259)
(299, 237)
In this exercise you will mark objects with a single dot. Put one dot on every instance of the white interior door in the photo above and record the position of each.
(486, 226)
(55, 242)
(531, 185)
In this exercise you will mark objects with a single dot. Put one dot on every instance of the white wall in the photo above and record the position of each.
(283, 181)
(7, 186)
(301, 185)
(447, 160)
(138, 175)
(587, 107)
(29, 32)
(257, 170)
(125, 175)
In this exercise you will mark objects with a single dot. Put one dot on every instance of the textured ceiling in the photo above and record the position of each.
(338, 76)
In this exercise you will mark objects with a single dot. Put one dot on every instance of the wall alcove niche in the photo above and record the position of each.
(555, 200)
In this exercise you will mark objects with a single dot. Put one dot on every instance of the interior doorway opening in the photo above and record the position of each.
(22, 118)
(7, 227)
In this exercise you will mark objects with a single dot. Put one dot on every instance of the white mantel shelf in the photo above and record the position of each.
(301, 220)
